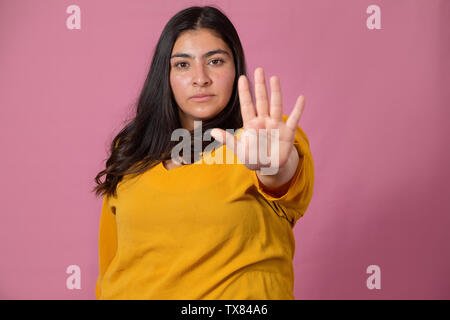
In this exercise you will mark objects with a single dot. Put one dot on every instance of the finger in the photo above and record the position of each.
(296, 114)
(245, 99)
(276, 103)
(262, 101)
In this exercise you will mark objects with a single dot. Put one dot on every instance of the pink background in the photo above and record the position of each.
(377, 117)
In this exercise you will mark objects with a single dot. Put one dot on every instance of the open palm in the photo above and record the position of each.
(261, 121)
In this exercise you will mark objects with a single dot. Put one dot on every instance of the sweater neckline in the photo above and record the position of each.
(164, 169)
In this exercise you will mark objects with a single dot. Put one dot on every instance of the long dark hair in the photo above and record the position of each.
(146, 139)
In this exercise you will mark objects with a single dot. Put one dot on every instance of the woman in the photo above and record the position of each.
(202, 230)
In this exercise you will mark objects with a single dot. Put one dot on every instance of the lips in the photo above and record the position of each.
(201, 97)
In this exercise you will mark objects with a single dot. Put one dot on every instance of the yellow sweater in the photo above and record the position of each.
(202, 231)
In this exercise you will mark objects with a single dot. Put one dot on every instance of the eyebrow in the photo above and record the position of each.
(209, 53)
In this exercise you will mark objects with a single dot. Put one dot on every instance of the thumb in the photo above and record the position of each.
(224, 137)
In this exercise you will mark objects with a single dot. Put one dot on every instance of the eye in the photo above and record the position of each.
(177, 65)
(217, 60)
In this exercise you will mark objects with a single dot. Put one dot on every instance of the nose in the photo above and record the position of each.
(201, 77)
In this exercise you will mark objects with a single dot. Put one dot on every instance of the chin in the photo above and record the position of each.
(205, 114)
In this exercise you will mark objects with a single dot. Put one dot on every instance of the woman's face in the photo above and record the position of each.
(201, 64)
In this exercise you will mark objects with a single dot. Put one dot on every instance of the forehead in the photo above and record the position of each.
(198, 41)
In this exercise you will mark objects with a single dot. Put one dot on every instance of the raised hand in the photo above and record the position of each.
(261, 122)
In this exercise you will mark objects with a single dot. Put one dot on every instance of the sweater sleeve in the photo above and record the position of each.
(295, 201)
(107, 242)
